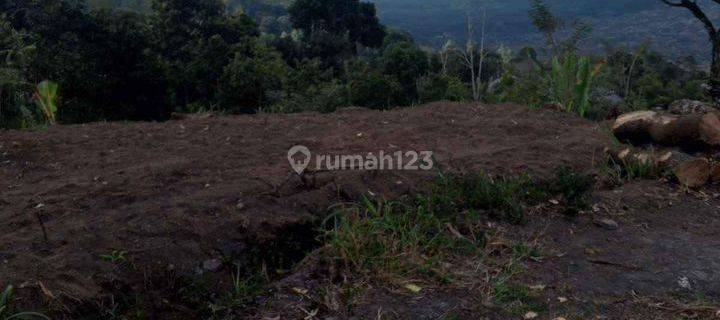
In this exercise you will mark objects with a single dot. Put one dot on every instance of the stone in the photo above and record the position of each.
(212, 265)
(607, 224)
(694, 173)
(686, 106)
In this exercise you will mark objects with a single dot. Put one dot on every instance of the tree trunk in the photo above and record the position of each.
(714, 83)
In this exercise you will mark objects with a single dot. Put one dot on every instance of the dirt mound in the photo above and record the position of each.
(178, 196)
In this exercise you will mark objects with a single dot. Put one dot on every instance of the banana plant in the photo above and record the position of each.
(46, 99)
(571, 82)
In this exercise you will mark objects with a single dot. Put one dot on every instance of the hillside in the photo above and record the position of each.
(160, 219)
(673, 32)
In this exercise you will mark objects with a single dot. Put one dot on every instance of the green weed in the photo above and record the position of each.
(415, 237)
(244, 289)
(574, 188)
(115, 256)
(516, 299)
(621, 171)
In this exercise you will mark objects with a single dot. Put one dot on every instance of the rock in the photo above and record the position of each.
(687, 106)
(607, 224)
(240, 205)
(693, 173)
(212, 265)
(710, 129)
(530, 315)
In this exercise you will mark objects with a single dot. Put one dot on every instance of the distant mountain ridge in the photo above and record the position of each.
(673, 32)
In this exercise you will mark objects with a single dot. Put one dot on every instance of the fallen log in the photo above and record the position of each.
(687, 131)
(694, 173)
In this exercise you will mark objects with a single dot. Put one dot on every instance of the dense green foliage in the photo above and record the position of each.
(169, 56)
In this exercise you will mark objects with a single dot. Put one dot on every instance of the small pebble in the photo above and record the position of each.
(608, 224)
(212, 265)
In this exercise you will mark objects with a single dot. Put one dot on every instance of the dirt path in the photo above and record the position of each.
(177, 197)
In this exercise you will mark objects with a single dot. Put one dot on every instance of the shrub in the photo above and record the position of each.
(374, 90)
(574, 188)
(437, 87)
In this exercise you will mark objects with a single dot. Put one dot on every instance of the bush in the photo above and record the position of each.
(323, 97)
(437, 87)
(374, 90)
(574, 188)
(406, 63)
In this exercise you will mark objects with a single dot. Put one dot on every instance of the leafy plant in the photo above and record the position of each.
(46, 99)
(571, 79)
(6, 299)
(574, 188)
(114, 257)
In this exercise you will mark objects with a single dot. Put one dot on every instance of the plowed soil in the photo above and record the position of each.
(172, 199)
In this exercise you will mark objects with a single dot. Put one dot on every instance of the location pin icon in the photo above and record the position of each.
(299, 165)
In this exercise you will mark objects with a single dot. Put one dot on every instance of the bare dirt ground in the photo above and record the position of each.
(96, 215)
(660, 263)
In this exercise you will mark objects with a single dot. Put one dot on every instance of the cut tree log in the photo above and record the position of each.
(634, 125)
(657, 159)
(715, 175)
(691, 131)
(710, 129)
(694, 173)
(686, 106)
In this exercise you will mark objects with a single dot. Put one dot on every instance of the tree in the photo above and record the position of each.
(14, 56)
(196, 40)
(714, 35)
(372, 89)
(549, 25)
(248, 79)
(101, 59)
(474, 57)
(406, 63)
(446, 50)
(352, 18)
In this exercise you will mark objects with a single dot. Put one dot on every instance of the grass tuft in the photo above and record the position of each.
(417, 237)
